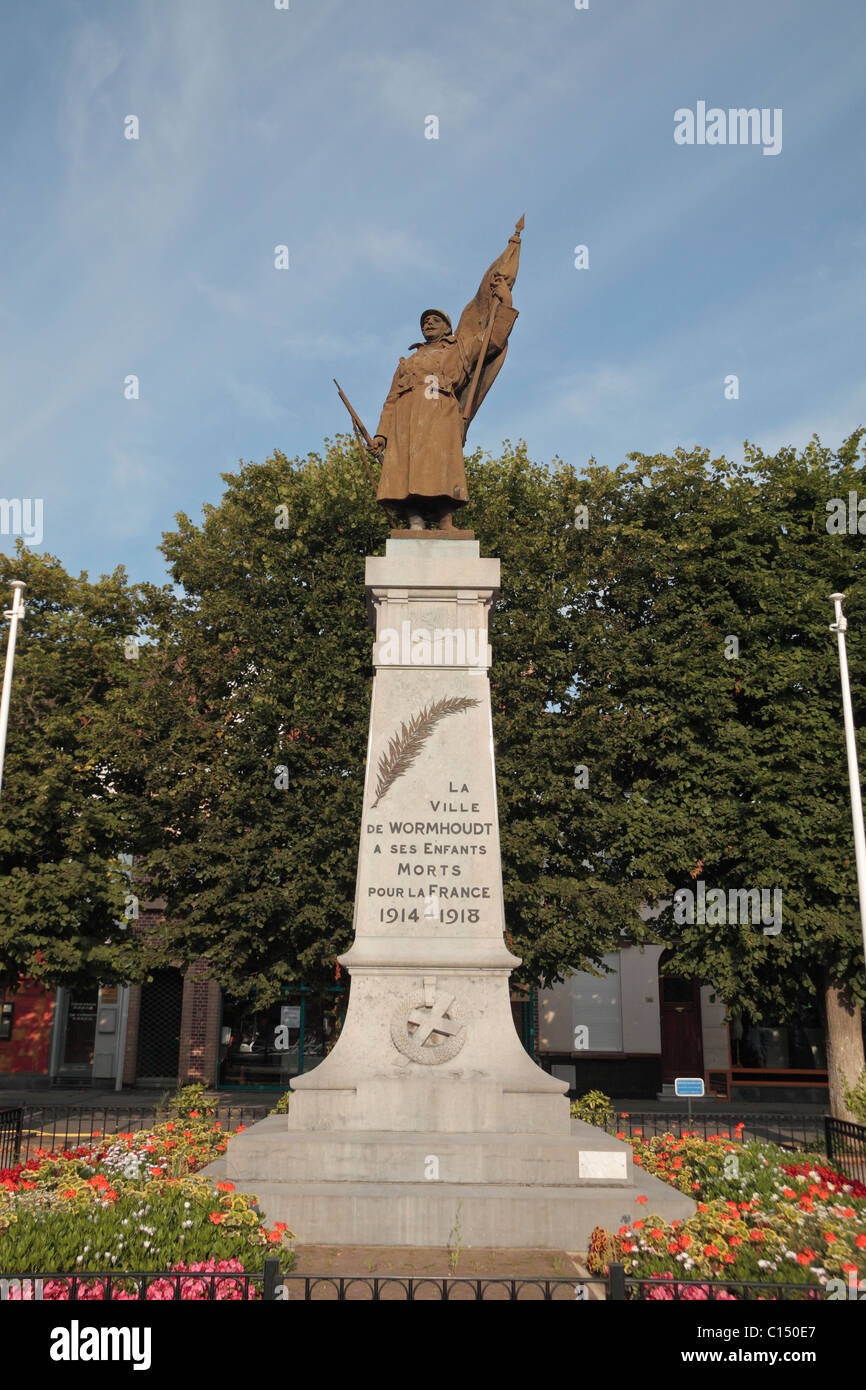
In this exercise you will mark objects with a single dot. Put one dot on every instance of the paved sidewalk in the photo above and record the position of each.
(133, 1098)
(93, 1097)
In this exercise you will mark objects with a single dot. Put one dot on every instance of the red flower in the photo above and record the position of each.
(627, 1249)
(638, 1225)
(711, 1250)
(274, 1236)
(216, 1217)
(788, 1192)
(641, 1199)
(624, 1231)
(735, 1240)
(803, 1258)
(194, 1114)
(225, 1187)
(656, 1233)
(70, 1192)
(829, 1237)
(240, 1129)
(638, 1132)
(730, 1259)
(672, 1248)
(756, 1235)
(860, 1242)
(702, 1206)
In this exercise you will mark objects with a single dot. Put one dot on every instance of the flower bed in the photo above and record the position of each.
(160, 1289)
(133, 1202)
(760, 1217)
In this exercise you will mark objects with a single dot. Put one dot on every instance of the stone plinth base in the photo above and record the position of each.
(511, 1191)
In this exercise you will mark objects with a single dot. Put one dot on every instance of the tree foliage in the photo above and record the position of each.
(62, 887)
(234, 747)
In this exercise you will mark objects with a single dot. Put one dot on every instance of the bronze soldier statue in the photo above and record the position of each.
(434, 396)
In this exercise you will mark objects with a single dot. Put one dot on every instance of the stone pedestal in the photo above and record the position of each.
(428, 1099)
(428, 1043)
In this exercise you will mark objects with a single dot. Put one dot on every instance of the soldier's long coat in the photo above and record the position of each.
(422, 420)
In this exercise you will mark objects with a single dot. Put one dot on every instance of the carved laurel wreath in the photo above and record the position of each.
(404, 747)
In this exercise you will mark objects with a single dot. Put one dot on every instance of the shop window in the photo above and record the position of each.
(267, 1047)
(797, 1045)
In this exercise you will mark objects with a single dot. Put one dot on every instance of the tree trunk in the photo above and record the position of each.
(843, 1031)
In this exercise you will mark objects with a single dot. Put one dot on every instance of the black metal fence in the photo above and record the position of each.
(271, 1285)
(71, 1126)
(789, 1131)
(846, 1146)
(10, 1137)
(201, 1285)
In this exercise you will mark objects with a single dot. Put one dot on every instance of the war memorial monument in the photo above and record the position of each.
(428, 1110)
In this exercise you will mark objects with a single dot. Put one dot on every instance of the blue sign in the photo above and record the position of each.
(689, 1086)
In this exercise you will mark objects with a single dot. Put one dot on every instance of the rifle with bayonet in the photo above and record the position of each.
(364, 442)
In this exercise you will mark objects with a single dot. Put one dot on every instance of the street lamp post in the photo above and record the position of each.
(13, 614)
(840, 627)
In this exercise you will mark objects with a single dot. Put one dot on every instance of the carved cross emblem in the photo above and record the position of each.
(426, 1027)
(433, 1020)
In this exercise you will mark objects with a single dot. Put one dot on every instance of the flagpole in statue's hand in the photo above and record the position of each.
(500, 290)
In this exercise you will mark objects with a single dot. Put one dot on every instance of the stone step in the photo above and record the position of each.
(464, 1215)
(268, 1152)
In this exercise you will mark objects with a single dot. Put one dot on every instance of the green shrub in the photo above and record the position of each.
(190, 1103)
(594, 1108)
(856, 1099)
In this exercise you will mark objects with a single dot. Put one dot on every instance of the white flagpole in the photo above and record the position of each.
(840, 627)
(13, 614)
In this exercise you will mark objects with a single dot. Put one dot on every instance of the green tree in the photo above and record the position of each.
(725, 683)
(263, 663)
(62, 887)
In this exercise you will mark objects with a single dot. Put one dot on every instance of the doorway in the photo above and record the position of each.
(159, 1028)
(680, 1018)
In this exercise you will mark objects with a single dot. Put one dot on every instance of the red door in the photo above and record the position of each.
(680, 1007)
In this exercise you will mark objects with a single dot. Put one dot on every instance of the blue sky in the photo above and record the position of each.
(305, 127)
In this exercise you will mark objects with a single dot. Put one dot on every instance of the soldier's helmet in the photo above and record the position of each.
(440, 312)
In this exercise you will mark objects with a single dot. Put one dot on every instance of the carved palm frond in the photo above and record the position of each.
(404, 747)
